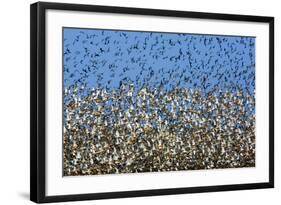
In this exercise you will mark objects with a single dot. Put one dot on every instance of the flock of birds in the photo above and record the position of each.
(145, 102)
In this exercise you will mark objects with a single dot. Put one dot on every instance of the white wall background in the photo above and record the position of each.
(14, 100)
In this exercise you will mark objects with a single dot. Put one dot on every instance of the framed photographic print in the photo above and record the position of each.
(129, 102)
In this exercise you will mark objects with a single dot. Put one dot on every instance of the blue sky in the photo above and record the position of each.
(107, 59)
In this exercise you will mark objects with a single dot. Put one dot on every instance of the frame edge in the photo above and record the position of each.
(271, 101)
(37, 102)
(33, 103)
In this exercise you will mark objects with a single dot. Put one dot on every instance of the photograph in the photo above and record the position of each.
(139, 101)
(134, 102)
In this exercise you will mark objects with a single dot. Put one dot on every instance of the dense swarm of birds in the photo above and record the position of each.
(145, 102)
(116, 132)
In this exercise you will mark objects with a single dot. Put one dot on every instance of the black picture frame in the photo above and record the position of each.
(38, 101)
